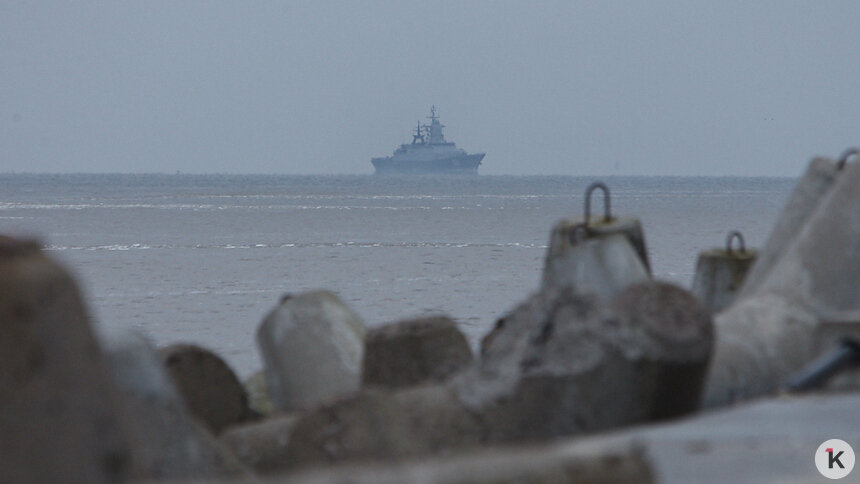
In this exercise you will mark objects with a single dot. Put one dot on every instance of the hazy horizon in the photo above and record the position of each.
(395, 176)
(674, 88)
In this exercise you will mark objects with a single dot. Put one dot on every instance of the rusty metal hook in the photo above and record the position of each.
(843, 159)
(571, 233)
(607, 213)
(734, 234)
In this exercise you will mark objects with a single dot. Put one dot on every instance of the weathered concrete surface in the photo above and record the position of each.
(376, 425)
(719, 277)
(602, 264)
(819, 179)
(821, 268)
(766, 441)
(667, 327)
(261, 445)
(312, 346)
(207, 385)
(565, 363)
(60, 418)
(167, 442)
(771, 441)
(415, 351)
(259, 398)
(552, 464)
(628, 227)
(783, 323)
(760, 342)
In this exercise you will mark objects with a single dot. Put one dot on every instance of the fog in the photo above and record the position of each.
(574, 88)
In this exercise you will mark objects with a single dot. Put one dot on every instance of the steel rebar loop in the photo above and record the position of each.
(734, 234)
(843, 159)
(607, 214)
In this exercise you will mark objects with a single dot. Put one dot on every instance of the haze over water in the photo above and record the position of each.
(203, 258)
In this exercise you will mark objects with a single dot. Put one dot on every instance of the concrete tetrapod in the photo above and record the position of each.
(312, 346)
(60, 416)
(566, 363)
(414, 351)
(598, 255)
(554, 463)
(784, 322)
(168, 442)
(261, 445)
(210, 389)
(377, 425)
(600, 264)
(819, 179)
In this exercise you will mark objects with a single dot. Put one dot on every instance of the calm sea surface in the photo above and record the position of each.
(203, 258)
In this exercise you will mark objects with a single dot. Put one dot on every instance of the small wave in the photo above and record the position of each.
(306, 245)
(105, 247)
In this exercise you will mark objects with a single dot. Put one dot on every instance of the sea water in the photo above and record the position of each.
(203, 258)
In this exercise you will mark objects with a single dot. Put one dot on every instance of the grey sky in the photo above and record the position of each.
(630, 88)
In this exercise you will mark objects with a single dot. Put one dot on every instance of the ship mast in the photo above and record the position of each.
(418, 138)
(435, 128)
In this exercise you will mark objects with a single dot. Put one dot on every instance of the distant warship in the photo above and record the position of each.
(429, 153)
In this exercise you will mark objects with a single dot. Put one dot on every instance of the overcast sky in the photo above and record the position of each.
(580, 88)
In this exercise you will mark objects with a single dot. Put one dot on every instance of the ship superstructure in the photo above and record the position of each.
(429, 152)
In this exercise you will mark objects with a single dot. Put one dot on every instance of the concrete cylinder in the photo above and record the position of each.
(720, 274)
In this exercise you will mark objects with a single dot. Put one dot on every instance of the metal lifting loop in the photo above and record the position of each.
(607, 214)
(571, 233)
(844, 158)
(734, 234)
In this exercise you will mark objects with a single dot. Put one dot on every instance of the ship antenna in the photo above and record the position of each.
(417, 136)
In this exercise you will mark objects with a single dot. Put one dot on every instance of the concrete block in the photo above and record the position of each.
(415, 351)
(778, 327)
(60, 416)
(720, 273)
(207, 385)
(378, 425)
(262, 445)
(667, 327)
(312, 346)
(545, 464)
(565, 363)
(602, 255)
(167, 442)
(816, 182)
(600, 264)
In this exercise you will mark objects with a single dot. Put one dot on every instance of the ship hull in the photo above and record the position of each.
(455, 165)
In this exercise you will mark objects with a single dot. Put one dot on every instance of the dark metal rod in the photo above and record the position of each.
(820, 370)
